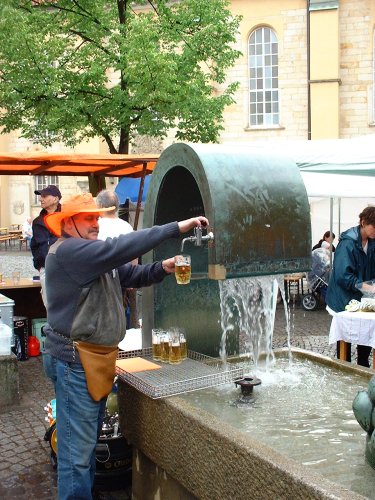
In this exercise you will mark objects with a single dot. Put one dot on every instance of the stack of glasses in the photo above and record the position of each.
(169, 346)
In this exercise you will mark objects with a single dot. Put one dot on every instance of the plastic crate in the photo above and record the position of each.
(37, 325)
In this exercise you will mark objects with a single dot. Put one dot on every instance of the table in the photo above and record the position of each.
(15, 234)
(293, 279)
(353, 327)
(27, 297)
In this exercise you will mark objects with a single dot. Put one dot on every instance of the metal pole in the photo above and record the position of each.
(140, 193)
(331, 229)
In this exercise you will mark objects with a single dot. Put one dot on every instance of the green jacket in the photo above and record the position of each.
(351, 266)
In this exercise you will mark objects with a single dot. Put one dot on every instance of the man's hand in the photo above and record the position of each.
(168, 265)
(186, 225)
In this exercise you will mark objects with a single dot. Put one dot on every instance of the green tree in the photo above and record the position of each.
(71, 70)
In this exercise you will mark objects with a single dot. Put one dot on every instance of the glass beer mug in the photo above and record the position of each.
(183, 345)
(156, 345)
(174, 347)
(182, 269)
(164, 347)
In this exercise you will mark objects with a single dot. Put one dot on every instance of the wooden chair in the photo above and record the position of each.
(23, 241)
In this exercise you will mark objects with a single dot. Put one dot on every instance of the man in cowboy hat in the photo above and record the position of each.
(84, 282)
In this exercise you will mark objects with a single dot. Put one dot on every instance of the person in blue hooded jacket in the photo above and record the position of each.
(354, 263)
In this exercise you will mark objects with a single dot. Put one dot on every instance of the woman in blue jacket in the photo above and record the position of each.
(353, 264)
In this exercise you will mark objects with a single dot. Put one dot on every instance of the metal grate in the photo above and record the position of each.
(196, 372)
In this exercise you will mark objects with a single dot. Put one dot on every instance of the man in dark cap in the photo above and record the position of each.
(42, 238)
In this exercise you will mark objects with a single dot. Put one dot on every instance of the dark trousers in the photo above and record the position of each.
(363, 352)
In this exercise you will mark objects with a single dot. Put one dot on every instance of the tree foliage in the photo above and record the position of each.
(71, 70)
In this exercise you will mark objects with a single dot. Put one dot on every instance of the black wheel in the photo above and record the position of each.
(53, 439)
(309, 302)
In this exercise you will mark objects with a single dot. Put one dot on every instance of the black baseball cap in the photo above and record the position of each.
(51, 189)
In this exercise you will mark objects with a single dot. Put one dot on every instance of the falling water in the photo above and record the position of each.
(248, 306)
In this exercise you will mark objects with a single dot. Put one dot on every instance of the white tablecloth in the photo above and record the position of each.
(355, 327)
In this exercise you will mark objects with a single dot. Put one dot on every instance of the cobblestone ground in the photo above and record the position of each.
(16, 260)
(25, 467)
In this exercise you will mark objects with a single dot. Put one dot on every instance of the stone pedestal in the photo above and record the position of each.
(9, 380)
(181, 451)
(158, 482)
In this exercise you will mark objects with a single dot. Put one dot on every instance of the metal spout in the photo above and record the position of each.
(247, 384)
(197, 239)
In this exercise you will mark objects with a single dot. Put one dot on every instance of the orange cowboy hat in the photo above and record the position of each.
(76, 204)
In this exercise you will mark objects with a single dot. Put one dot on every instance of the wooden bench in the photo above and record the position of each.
(5, 238)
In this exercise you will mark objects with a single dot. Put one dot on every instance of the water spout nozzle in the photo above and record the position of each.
(198, 238)
(247, 384)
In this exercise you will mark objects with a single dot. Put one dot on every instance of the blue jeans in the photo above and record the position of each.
(78, 422)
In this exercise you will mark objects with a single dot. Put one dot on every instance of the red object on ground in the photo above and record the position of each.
(33, 346)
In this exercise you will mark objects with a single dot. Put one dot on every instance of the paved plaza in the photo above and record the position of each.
(25, 467)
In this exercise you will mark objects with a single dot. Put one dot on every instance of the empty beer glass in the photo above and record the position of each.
(182, 269)
(156, 343)
(183, 345)
(174, 347)
(16, 276)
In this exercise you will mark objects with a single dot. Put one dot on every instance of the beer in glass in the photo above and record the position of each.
(156, 345)
(174, 348)
(182, 269)
(164, 346)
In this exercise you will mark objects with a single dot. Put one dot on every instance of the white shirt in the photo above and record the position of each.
(27, 229)
(112, 227)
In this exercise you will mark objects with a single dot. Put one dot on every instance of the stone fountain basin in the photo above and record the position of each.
(181, 451)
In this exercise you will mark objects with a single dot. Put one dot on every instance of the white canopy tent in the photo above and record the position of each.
(338, 186)
(339, 176)
(333, 156)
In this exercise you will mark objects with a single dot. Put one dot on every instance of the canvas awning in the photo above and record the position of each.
(43, 163)
(37, 163)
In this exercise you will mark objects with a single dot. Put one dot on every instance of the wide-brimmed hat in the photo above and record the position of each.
(77, 204)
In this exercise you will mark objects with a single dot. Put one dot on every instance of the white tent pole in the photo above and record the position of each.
(331, 229)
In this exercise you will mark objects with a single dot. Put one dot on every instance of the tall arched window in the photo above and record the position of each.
(264, 82)
(373, 77)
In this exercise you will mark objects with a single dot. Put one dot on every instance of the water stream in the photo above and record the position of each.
(249, 305)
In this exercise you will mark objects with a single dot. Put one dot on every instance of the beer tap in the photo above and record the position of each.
(197, 239)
